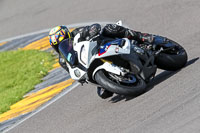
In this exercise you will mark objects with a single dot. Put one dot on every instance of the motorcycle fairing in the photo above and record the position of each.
(116, 47)
(103, 49)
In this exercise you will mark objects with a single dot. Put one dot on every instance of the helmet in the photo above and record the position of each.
(57, 35)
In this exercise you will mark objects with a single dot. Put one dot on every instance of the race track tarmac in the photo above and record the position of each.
(172, 104)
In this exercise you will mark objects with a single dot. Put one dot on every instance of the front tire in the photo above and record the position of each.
(106, 82)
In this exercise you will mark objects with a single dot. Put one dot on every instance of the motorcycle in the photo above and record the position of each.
(120, 66)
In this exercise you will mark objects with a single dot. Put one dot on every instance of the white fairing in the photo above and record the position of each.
(87, 53)
(84, 52)
(73, 72)
(108, 67)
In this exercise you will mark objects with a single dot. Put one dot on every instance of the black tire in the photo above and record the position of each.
(114, 87)
(172, 62)
(103, 93)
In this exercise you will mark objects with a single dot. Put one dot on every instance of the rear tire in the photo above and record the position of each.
(114, 87)
(172, 62)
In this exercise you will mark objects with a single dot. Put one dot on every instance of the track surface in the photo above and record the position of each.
(172, 104)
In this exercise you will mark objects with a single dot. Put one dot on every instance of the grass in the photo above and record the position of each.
(20, 71)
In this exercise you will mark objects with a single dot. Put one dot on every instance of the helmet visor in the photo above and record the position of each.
(67, 51)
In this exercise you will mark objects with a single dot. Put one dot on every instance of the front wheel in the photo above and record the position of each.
(130, 85)
(172, 59)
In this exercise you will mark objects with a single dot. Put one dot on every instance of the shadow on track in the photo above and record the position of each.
(158, 79)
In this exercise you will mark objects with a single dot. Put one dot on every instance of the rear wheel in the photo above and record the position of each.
(125, 85)
(172, 59)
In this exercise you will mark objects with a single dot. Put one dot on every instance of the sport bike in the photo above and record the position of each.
(120, 66)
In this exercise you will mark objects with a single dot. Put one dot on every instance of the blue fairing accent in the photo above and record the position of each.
(161, 40)
(169, 44)
(104, 48)
(158, 40)
(107, 45)
(69, 57)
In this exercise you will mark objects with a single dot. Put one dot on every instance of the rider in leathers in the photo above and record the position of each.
(110, 30)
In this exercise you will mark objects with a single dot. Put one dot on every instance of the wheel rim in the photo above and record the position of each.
(127, 79)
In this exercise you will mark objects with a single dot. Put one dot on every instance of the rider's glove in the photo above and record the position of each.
(94, 30)
(90, 31)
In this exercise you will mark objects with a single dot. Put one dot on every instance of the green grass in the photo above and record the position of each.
(20, 71)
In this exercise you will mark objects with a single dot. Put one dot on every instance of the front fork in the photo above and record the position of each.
(110, 67)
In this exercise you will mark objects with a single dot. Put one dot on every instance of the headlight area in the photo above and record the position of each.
(83, 55)
(77, 73)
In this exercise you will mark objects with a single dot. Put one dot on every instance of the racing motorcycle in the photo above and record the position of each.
(120, 66)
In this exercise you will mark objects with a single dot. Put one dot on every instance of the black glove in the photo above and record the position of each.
(94, 30)
(90, 31)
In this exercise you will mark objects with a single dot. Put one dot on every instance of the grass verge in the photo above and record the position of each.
(20, 71)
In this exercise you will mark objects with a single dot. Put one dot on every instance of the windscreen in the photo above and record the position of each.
(67, 51)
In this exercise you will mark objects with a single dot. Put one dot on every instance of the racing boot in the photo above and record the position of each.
(138, 36)
(148, 38)
(103, 93)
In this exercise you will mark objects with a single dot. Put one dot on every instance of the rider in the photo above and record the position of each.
(59, 33)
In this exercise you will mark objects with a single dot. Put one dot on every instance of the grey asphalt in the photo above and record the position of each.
(172, 103)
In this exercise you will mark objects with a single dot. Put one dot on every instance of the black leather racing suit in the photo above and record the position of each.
(111, 31)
